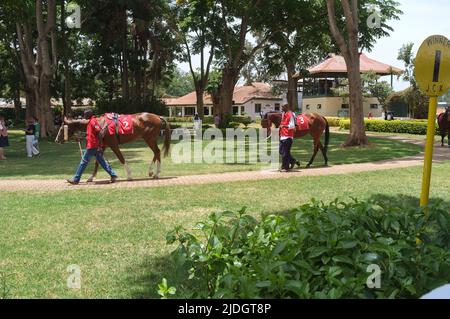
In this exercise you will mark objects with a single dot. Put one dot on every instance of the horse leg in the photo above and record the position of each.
(325, 157)
(448, 138)
(116, 150)
(156, 158)
(316, 149)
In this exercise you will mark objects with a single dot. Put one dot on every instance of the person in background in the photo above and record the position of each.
(217, 120)
(197, 122)
(29, 138)
(4, 142)
(37, 132)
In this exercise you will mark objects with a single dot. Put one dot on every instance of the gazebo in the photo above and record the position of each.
(316, 86)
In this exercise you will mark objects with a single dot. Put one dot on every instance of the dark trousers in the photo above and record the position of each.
(285, 152)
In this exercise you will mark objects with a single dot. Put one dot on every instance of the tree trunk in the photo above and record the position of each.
(66, 95)
(357, 126)
(17, 104)
(44, 108)
(199, 91)
(292, 96)
(349, 49)
(226, 90)
(125, 85)
(31, 108)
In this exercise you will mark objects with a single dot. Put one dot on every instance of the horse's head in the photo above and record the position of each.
(73, 127)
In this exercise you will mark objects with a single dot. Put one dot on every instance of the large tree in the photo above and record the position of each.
(352, 32)
(238, 20)
(195, 23)
(39, 60)
(303, 40)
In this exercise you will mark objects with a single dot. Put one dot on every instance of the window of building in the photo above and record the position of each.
(345, 106)
(257, 108)
(307, 107)
(319, 106)
(242, 109)
(277, 106)
(206, 111)
(235, 110)
(188, 111)
(374, 106)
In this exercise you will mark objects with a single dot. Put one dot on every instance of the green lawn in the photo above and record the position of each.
(117, 236)
(60, 161)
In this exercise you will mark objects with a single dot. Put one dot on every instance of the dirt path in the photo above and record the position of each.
(440, 154)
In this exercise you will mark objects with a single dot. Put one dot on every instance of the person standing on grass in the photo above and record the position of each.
(287, 130)
(93, 148)
(197, 122)
(4, 142)
(29, 138)
(37, 132)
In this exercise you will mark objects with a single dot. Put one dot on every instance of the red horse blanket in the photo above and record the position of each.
(302, 123)
(119, 124)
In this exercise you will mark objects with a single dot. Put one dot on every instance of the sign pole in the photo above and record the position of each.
(431, 127)
(431, 71)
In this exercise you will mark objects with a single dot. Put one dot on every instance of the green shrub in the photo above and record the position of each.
(234, 124)
(315, 251)
(408, 127)
(241, 119)
(334, 121)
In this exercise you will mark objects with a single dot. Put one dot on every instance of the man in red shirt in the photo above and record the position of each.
(93, 148)
(287, 130)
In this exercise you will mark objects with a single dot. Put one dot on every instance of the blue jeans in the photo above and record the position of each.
(88, 154)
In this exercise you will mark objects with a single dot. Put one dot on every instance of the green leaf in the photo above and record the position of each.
(316, 251)
(343, 259)
(263, 284)
(279, 248)
(349, 244)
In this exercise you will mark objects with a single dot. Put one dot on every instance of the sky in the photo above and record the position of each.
(420, 19)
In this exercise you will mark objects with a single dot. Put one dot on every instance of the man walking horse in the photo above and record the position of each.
(313, 124)
(100, 136)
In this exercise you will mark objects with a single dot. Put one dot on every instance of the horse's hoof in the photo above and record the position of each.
(150, 174)
(155, 177)
(90, 180)
(129, 179)
(308, 166)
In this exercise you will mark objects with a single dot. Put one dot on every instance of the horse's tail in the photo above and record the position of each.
(167, 137)
(327, 135)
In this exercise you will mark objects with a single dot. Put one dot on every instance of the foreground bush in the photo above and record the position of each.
(409, 127)
(315, 251)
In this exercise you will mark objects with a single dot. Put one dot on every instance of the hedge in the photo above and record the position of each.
(315, 251)
(408, 127)
(210, 120)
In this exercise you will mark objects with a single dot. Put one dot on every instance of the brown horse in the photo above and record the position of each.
(146, 126)
(317, 125)
(444, 125)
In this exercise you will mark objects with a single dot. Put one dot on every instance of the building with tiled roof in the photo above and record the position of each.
(248, 100)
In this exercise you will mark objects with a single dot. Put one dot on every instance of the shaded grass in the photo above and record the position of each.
(117, 237)
(60, 161)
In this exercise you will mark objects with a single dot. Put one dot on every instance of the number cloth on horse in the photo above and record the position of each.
(119, 124)
(302, 123)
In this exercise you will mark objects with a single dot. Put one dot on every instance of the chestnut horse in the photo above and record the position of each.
(317, 125)
(444, 125)
(145, 125)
